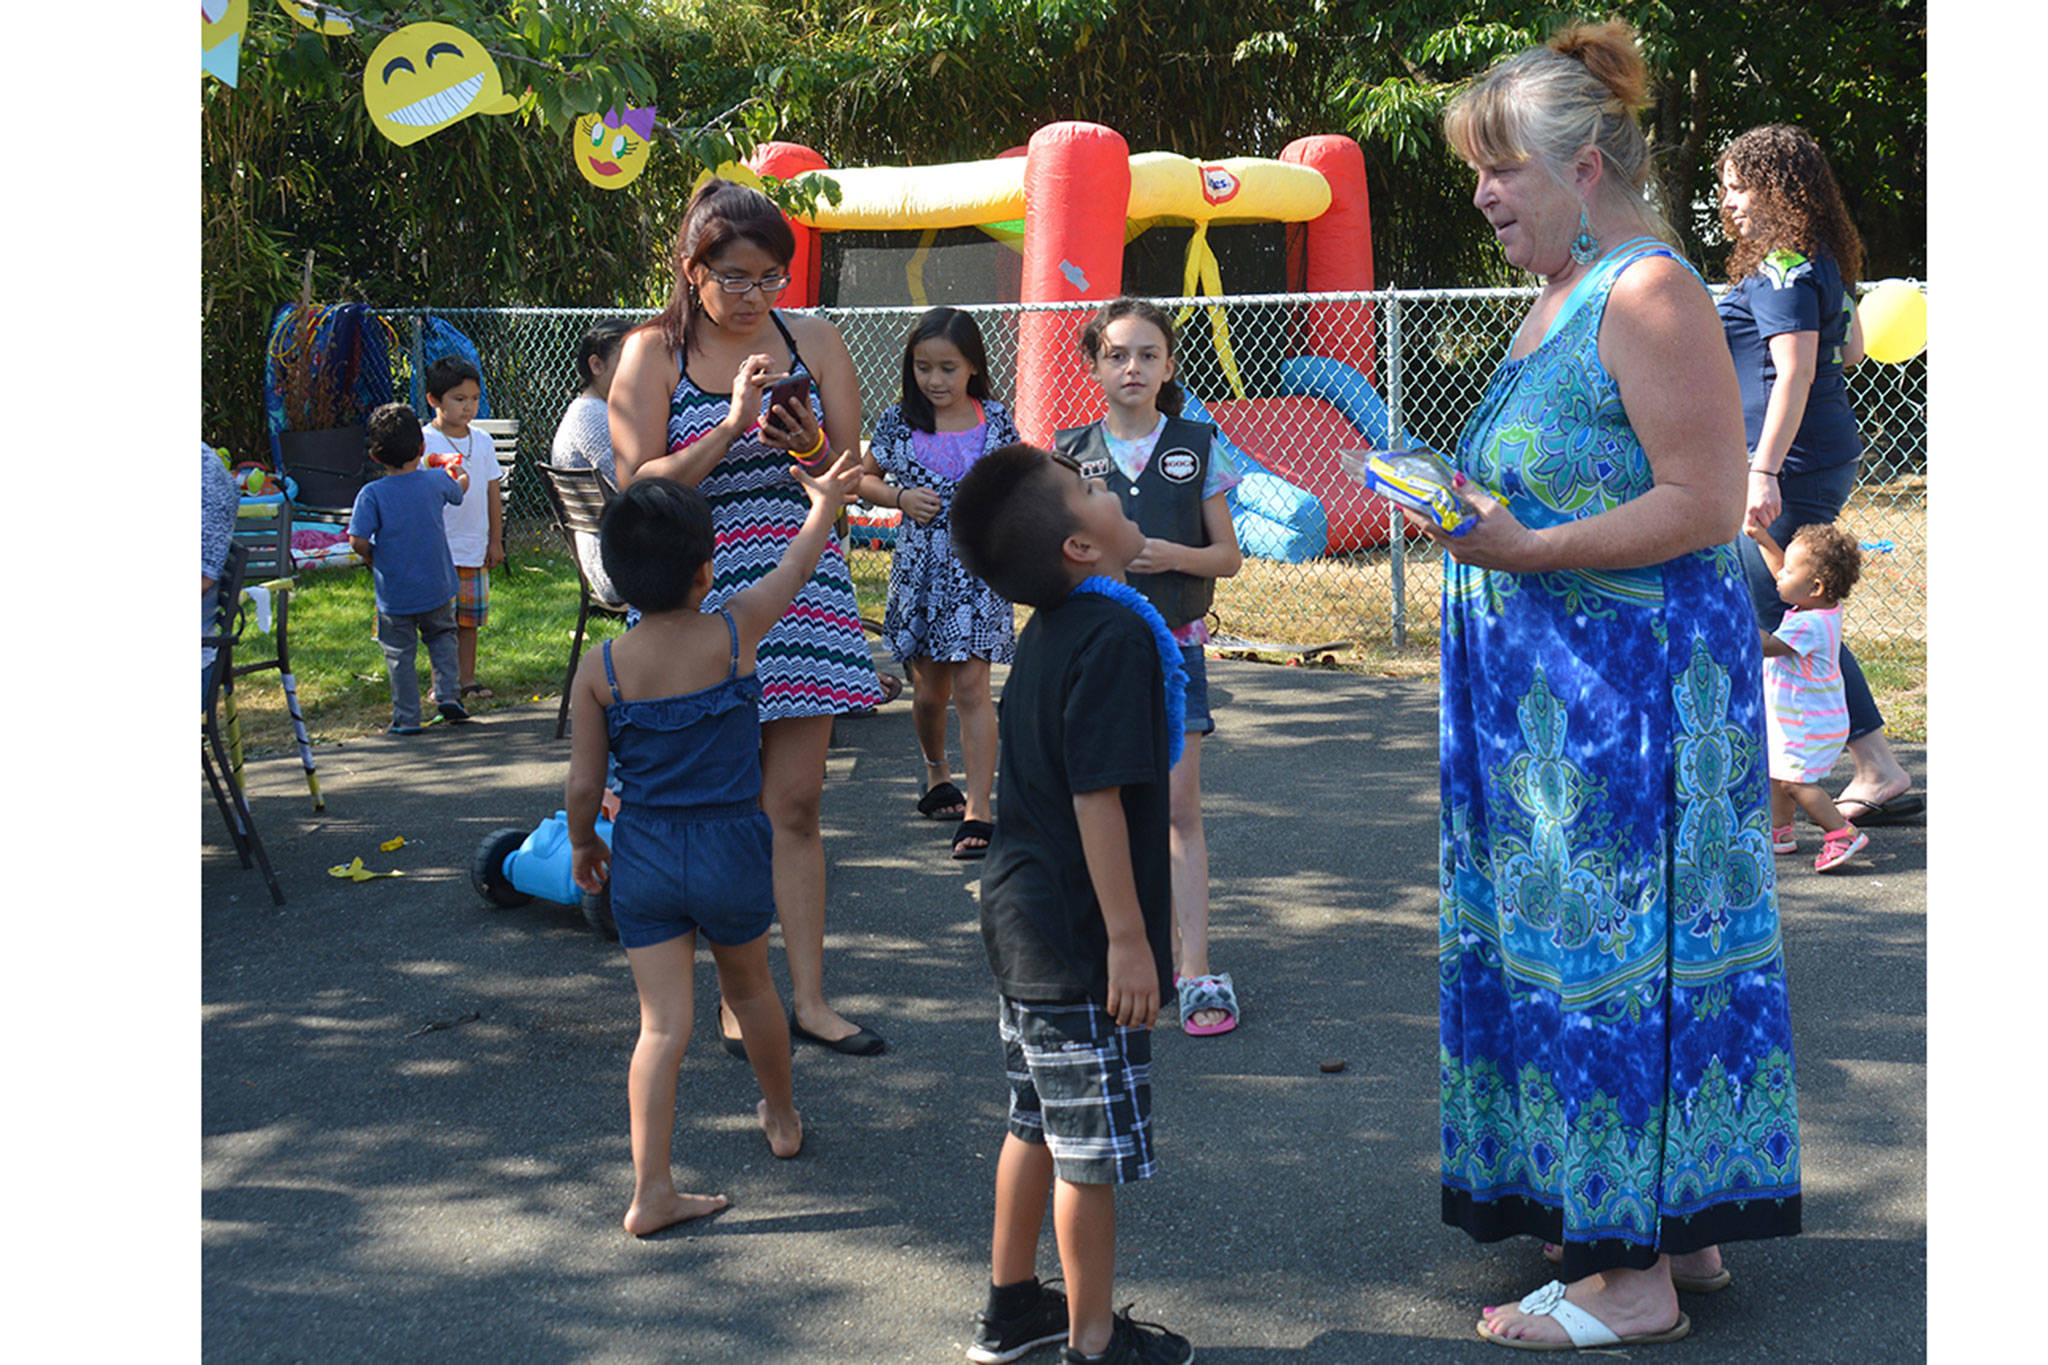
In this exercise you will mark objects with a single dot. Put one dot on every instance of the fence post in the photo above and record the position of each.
(417, 398)
(1397, 542)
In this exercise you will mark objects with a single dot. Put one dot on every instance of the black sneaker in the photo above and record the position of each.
(453, 712)
(1042, 1323)
(1135, 1343)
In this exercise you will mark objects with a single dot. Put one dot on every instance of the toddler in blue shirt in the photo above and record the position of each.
(396, 528)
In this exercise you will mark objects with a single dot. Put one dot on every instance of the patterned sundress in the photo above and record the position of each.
(814, 661)
(1615, 1044)
(937, 610)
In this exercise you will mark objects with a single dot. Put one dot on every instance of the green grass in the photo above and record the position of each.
(1896, 670)
(521, 650)
(525, 645)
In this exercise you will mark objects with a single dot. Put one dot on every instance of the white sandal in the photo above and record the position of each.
(1585, 1330)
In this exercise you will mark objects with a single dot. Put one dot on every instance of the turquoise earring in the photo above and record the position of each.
(1585, 246)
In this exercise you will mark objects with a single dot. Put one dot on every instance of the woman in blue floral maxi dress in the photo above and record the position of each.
(1615, 1046)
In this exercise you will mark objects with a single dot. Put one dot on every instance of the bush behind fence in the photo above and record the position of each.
(1427, 355)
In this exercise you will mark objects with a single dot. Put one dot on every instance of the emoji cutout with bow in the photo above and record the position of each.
(220, 37)
(320, 20)
(612, 151)
(427, 76)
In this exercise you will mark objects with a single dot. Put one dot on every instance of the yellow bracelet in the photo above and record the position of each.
(811, 455)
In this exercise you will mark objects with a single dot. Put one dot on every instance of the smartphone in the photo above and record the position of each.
(794, 390)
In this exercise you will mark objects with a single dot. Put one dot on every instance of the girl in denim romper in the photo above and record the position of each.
(675, 703)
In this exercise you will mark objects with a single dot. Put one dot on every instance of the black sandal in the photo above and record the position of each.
(972, 829)
(942, 802)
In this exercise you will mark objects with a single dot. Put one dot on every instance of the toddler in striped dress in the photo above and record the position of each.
(1807, 717)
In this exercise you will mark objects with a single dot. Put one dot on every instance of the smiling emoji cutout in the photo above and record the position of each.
(612, 151)
(319, 20)
(220, 37)
(427, 76)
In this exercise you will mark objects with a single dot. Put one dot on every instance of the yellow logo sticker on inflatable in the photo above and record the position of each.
(1219, 186)
(612, 150)
(427, 76)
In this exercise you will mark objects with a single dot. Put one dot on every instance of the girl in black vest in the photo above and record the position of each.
(1172, 484)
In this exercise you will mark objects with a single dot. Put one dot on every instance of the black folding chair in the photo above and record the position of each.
(578, 497)
(264, 530)
(220, 748)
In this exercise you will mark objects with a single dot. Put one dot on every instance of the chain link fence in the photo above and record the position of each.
(1290, 380)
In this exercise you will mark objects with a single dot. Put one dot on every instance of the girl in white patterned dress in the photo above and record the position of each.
(945, 625)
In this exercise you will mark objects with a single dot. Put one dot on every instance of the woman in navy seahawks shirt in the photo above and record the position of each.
(1791, 325)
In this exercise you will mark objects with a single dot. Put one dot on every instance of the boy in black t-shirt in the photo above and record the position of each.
(1076, 898)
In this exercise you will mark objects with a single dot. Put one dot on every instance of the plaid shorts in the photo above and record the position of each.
(1082, 1085)
(472, 596)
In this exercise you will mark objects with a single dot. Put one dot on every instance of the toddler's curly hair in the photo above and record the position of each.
(1837, 561)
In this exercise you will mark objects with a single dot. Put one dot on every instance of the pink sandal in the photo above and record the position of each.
(1837, 846)
(1783, 840)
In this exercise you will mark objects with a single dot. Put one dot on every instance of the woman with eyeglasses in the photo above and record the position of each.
(688, 403)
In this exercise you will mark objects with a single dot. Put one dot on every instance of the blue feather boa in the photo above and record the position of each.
(1169, 655)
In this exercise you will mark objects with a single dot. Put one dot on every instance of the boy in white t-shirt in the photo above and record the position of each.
(476, 526)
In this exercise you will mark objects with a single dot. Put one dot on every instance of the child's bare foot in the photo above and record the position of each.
(785, 1136)
(657, 1211)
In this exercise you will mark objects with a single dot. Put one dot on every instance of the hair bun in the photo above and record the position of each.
(1609, 53)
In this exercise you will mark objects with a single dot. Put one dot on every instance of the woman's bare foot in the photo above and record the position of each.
(1630, 1302)
(653, 1212)
(1703, 1264)
(1879, 777)
(1699, 1269)
(785, 1136)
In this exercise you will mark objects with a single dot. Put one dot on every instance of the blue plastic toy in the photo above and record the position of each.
(513, 867)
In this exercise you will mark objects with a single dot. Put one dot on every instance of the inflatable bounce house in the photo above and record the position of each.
(1060, 222)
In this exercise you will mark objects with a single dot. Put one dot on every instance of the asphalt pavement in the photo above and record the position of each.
(414, 1118)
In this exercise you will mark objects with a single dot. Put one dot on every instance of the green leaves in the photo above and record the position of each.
(492, 211)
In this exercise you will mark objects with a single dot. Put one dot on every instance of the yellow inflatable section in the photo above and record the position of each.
(881, 198)
(1243, 189)
(1164, 186)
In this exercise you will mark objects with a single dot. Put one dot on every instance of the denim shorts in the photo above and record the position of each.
(1081, 1084)
(703, 867)
(1196, 664)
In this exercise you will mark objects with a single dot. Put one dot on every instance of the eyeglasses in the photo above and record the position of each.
(740, 284)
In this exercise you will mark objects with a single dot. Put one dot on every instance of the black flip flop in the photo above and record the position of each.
(972, 829)
(937, 803)
(1907, 808)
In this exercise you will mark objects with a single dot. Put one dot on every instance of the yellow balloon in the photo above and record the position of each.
(427, 76)
(1894, 318)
